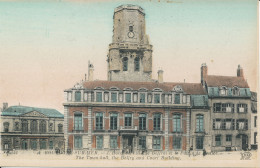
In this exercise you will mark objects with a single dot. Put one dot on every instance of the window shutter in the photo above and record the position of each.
(245, 108)
(233, 124)
(214, 120)
(237, 125)
(224, 124)
(246, 124)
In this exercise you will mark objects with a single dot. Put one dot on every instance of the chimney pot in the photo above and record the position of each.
(240, 71)
(160, 76)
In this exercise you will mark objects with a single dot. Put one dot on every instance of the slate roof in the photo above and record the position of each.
(20, 110)
(189, 88)
(228, 81)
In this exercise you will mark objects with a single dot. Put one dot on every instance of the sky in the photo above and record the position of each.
(45, 45)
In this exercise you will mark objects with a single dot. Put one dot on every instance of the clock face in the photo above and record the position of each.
(131, 34)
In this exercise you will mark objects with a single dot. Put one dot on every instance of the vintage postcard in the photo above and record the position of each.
(115, 83)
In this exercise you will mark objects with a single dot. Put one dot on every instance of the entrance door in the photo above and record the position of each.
(24, 145)
(128, 144)
(244, 142)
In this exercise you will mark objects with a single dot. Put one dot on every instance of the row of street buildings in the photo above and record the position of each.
(131, 112)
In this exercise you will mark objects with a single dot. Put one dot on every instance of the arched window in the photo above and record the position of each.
(125, 64)
(137, 64)
(24, 126)
(77, 96)
(43, 126)
(6, 126)
(60, 128)
(34, 126)
(199, 123)
(16, 126)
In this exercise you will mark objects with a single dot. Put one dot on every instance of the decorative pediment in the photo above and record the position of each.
(177, 88)
(78, 86)
(34, 114)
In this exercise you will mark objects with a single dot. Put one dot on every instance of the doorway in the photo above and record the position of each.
(128, 143)
(244, 142)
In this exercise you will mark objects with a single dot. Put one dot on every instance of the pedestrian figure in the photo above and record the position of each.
(204, 152)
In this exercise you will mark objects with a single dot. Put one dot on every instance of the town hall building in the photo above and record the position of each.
(131, 112)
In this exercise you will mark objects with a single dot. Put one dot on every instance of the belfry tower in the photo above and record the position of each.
(130, 54)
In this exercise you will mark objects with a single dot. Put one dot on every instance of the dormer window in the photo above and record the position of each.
(223, 91)
(235, 91)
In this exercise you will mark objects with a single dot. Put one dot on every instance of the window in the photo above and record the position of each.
(6, 126)
(77, 121)
(228, 124)
(170, 99)
(99, 142)
(142, 121)
(50, 126)
(33, 144)
(218, 124)
(131, 28)
(142, 97)
(235, 91)
(156, 143)
(24, 126)
(217, 107)
(128, 97)
(137, 64)
(99, 97)
(176, 142)
(114, 97)
(218, 140)
(223, 91)
(157, 122)
(142, 142)
(177, 98)
(228, 107)
(125, 64)
(77, 96)
(60, 128)
(255, 137)
(156, 98)
(42, 126)
(99, 121)
(24, 144)
(50, 144)
(199, 123)
(177, 123)
(113, 121)
(43, 144)
(128, 120)
(255, 121)
(242, 124)
(228, 138)
(113, 142)
(242, 108)
(16, 126)
(34, 126)
(78, 142)
(199, 142)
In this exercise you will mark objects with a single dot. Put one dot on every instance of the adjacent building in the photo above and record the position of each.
(254, 120)
(230, 110)
(31, 128)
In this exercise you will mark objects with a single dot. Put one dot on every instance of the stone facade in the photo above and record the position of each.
(29, 128)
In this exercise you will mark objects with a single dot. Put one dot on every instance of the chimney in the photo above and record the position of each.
(204, 72)
(90, 71)
(240, 72)
(160, 76)
(5, 106)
